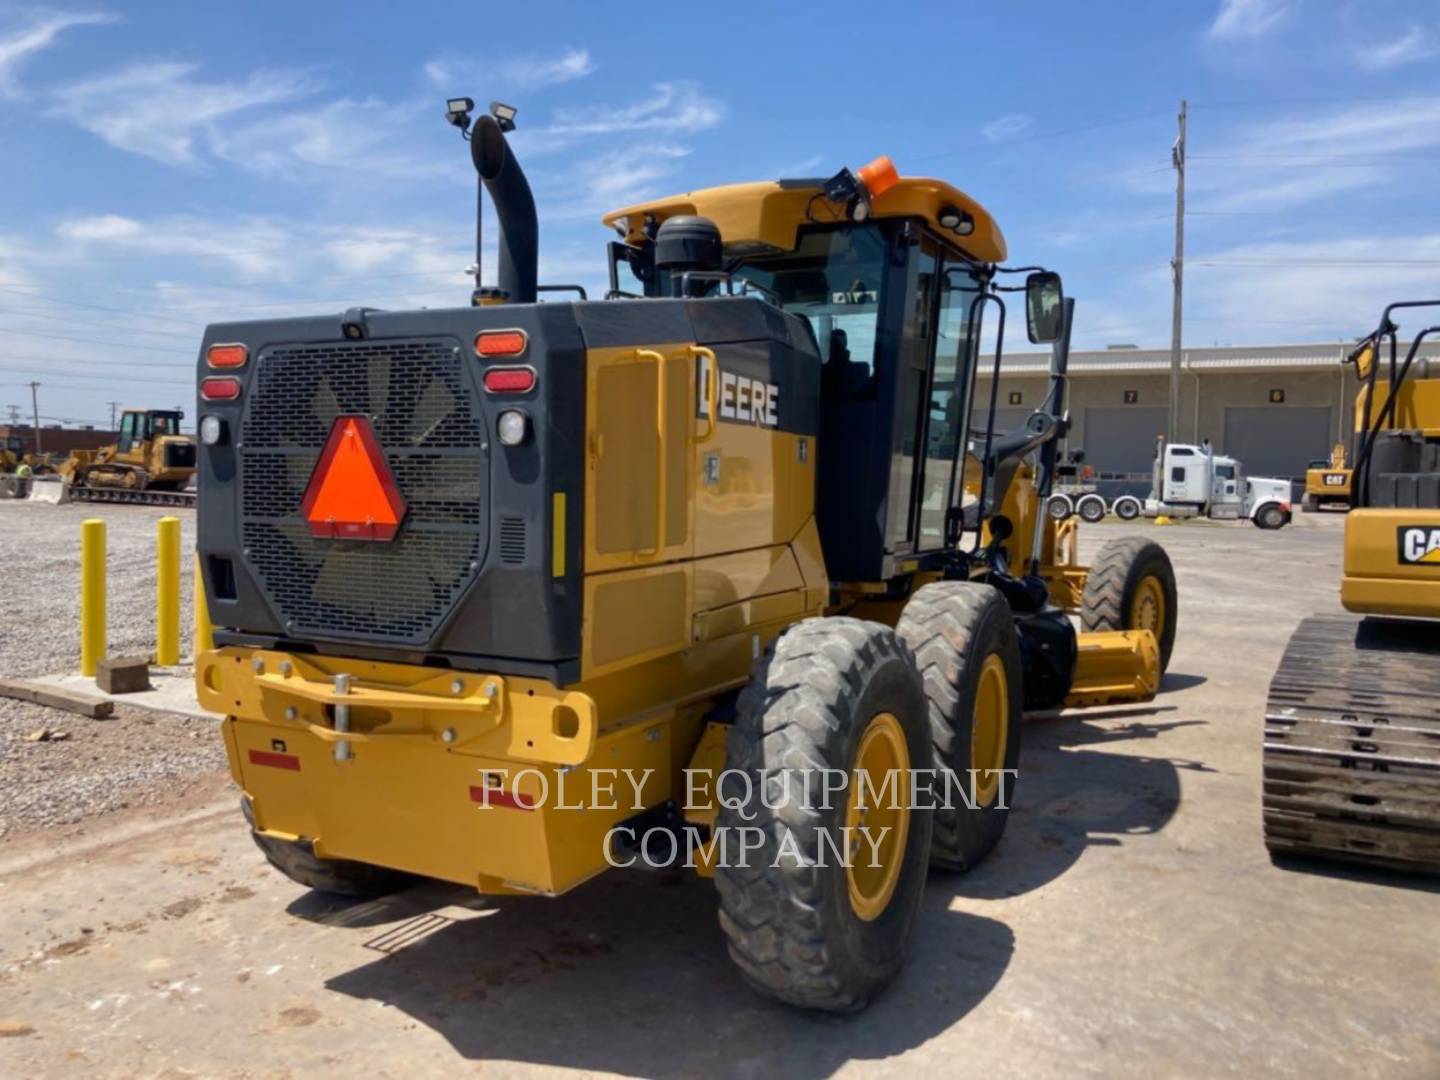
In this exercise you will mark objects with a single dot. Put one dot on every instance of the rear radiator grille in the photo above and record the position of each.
(420, 399)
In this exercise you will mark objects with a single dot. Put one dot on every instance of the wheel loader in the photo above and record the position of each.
(150, 462)
(710, 572)
(1352, 726)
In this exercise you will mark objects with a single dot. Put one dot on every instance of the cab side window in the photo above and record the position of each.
(128, 433)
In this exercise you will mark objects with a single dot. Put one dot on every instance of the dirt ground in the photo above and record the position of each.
(1129, 923)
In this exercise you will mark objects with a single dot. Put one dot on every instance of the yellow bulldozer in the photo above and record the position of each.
(1327, 482)
(150, 462)
(1352, 726)
(714, 572)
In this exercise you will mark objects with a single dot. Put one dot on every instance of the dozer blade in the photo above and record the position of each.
(1352, 744)
(1115, 667)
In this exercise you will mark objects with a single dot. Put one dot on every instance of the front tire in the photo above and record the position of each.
(835, 696)
(1060, 507)
(1126, 508)
(968, 652)
(1270, 516)
(1131, 586)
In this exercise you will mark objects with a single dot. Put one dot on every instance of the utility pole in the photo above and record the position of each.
(1177, 273)
(14, 415)
(35, 406)
(113, 406)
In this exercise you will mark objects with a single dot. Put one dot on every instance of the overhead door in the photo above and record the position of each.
(1277, 440)
(1121, 439)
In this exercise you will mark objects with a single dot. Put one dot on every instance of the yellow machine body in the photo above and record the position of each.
(700, 546)
(689, 576)
(1329, 483)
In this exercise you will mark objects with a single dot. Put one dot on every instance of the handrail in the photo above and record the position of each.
(711, 401)
(660, 429)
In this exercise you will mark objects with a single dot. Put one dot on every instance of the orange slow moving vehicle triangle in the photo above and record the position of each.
(351, 494)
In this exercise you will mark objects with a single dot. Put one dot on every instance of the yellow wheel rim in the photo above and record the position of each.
(877, 819)
(990, 729)
(1147, 609)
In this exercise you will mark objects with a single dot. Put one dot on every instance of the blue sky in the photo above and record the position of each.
(166, 165)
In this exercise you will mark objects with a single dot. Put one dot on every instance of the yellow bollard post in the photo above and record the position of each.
(92, 595)
(204, 628)
(167, 591)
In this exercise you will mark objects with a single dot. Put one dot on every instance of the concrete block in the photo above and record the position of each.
(123, 674)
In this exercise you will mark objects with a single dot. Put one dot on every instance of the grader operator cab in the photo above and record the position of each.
(1352, 726)
(512, 593)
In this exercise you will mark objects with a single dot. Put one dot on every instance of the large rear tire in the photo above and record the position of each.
(296, 859)
(835, 697)
(1131, 586)
(968, 652)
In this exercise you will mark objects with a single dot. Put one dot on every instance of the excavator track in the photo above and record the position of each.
(1352, 744)
(134, 498)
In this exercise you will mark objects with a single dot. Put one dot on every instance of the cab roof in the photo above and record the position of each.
(767, 215)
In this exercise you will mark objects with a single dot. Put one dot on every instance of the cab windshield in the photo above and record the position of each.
(832, 280)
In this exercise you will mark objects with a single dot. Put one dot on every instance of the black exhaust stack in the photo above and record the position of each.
(514, 206)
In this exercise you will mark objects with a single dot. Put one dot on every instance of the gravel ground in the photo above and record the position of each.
(134, 759)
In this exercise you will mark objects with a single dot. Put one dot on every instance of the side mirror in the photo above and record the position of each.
(1044, 307)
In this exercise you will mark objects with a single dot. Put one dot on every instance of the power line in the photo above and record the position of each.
(1001, 144)
(1262, 103)
(90, 341)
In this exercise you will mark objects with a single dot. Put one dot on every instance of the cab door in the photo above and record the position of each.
(129, 432)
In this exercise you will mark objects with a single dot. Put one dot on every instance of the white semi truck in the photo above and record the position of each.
(1194, 481)
(1185, 481)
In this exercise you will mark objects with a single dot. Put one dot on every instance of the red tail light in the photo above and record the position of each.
(489, 343)
(227, 356)
(510, 380)
(220, 389)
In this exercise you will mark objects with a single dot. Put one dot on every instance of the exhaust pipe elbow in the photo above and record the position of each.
(514, 206)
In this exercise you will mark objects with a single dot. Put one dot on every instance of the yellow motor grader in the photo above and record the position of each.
(150, 462)
(716, 570)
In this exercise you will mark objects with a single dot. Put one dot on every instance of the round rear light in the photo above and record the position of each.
(512, 427)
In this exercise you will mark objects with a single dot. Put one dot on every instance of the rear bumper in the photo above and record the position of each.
(503, 784)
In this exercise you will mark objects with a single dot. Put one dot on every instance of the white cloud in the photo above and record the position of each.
(522, 73)
(21, 43)
(160, 110)
(1248, 18)
(672, 108)
(1317, 289)
(336, 136)
(1415, 44)
(1005, 127)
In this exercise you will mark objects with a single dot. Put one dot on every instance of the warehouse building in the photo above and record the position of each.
(1274, 407)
